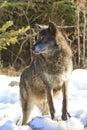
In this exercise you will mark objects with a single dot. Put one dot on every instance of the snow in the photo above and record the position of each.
(11, 114)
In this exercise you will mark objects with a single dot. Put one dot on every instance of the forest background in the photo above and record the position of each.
(18, 29)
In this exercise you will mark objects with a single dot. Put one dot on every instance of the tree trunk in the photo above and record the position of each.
(84, 35)
(78, 31)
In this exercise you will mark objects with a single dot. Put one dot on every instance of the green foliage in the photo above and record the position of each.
(8, 37)
(10, 5)
(6, 26)
(31, 12)
(3, 4)
(39, 11)
(64, 11)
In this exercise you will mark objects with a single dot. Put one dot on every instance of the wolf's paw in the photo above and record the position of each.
(65, 116)
(56, 118)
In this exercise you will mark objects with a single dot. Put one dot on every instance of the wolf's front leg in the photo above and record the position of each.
(27, 104)
(50, 102)
(65, 114)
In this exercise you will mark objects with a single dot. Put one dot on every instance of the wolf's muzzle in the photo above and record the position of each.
(40, 47)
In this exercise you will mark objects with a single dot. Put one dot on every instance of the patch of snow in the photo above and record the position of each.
(10, 107)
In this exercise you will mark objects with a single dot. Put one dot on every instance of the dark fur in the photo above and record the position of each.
(48, 73)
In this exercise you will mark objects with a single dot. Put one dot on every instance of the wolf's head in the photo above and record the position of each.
(46, 41)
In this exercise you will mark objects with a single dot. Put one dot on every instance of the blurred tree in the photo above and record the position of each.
(8, 37)
(81, 32)
(30, 12)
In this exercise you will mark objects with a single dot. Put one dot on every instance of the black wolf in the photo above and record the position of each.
(48, 74)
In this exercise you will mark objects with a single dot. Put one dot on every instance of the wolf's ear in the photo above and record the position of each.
(52, 27)
(40, 27)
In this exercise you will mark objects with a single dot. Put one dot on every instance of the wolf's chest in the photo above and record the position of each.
(55, 80)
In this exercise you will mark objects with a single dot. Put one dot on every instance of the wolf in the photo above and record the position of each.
(48, 73)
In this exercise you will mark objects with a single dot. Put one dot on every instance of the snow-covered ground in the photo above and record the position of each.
(10, 108)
